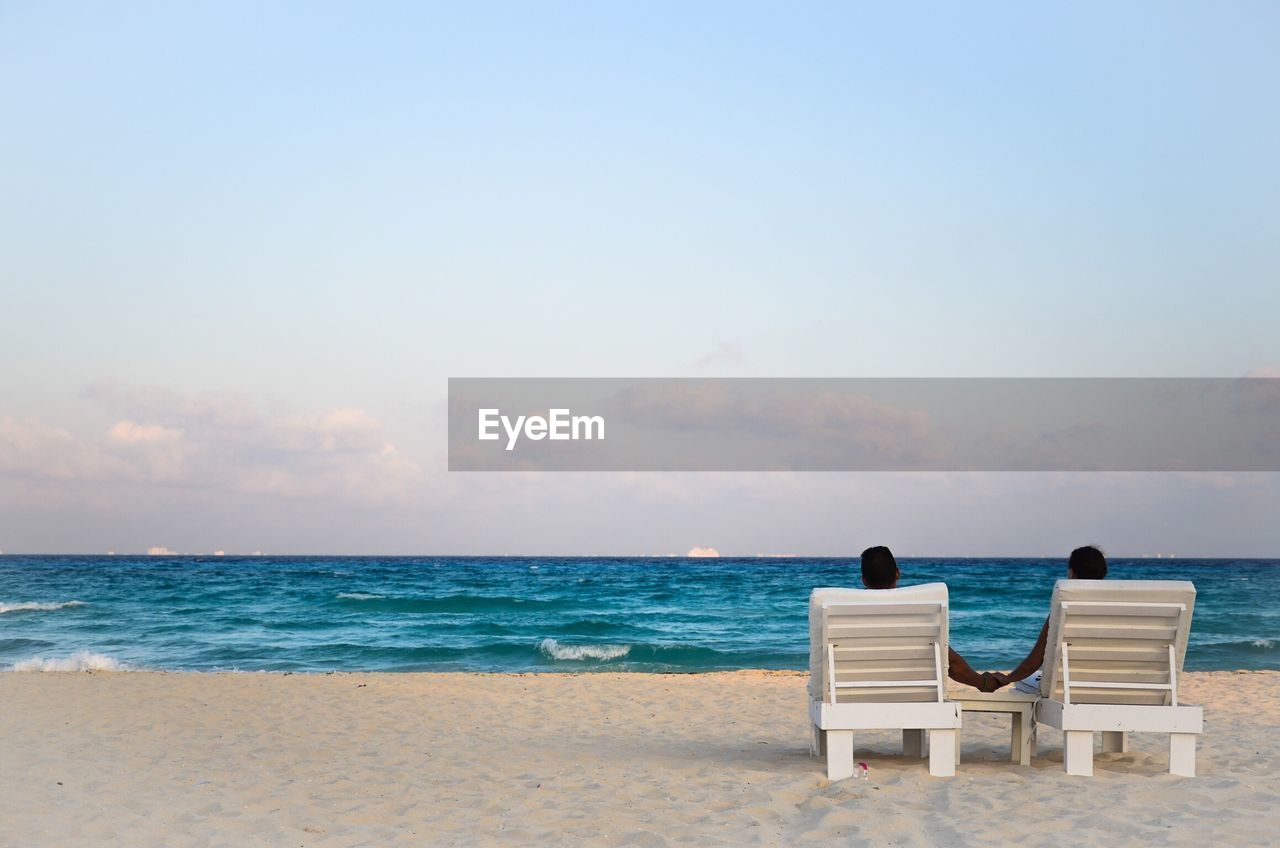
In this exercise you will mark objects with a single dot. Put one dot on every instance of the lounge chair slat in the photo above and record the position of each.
(1114, 608)
(1098, 684)
(858, 664)
(873, 653)
(1071, 631)
(920, 695)
(874, 609)
(1135, 622)
(1133, 652)
(847, 631)
(898, 674)
(1114, 675)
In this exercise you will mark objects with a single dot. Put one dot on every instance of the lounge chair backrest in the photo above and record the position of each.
(885, 645)
(1117, 641)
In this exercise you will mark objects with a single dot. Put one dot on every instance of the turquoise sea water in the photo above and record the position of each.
(542, 614)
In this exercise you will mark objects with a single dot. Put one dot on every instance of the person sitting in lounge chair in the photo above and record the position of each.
(880, 571)
(1086, 563)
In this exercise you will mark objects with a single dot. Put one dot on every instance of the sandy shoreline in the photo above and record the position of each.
(149, 758)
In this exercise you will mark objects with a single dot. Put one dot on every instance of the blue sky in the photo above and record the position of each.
(270, 235)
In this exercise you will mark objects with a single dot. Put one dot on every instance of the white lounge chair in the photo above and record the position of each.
(1111, 664)
(878, 660)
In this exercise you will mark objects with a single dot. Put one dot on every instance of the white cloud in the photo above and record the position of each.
(128, 433)
(155, 453)
(31, 448)
(724, 354)
(343, 430)
(703, 553)
(216, 443)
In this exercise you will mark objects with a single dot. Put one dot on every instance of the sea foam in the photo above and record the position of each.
(38, 605)
(79, 661)
(554, 650)
(358, 596)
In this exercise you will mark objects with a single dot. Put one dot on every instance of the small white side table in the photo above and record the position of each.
(1022, 738)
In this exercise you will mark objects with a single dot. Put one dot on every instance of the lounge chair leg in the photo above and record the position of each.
(957, 746)
(1020, 739)
(1182, 754)
(1115, 742)
(942, 752)
(1077, 752)
(839, 754)
(913, 744)
(817, 741)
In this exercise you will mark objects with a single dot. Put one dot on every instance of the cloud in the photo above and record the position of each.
(128, 433)
(154, 452)
(343, 430)
(703, 553)
(31, 449)
(217, 443)
(724, 354)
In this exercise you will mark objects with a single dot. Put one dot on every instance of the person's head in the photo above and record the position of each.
(879, 568)
(1087, 563)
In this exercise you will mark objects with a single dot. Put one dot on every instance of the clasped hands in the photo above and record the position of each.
(993, 680)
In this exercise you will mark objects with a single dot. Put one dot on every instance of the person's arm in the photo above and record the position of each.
(961, 672)
(1032, 663)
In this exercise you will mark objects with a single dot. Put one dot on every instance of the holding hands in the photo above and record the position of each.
(993, 680)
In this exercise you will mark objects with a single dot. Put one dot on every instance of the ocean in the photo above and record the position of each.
(335, 613)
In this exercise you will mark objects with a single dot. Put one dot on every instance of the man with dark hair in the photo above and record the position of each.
(879, 568)
(1086, 563)
(880, 571)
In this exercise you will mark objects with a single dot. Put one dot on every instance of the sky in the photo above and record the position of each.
(242, 249)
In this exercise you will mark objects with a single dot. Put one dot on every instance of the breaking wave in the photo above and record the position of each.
(79, 661)
(552, 649)
(38, 605)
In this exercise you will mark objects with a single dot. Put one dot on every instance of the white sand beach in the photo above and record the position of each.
(186, 759)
